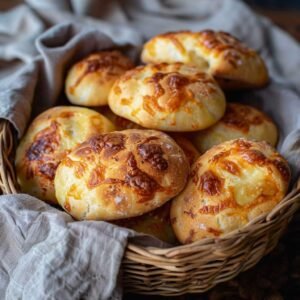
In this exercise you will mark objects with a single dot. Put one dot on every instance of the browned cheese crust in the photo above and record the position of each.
(120, 175)
(48, 139)
(169, 97)
(233, 64)
(239, 121)
(89, 81)
(230, 185)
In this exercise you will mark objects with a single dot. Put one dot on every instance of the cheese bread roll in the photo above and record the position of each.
(233, 64)
(121, 174)
(89, 81)
(230, 185)
(239, 121)
(51, 136)
(169, 97)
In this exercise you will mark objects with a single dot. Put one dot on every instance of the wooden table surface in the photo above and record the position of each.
(277, 276)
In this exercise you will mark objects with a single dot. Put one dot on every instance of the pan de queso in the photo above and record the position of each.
(169, 97)
(89, 81)
(229, 185)
(48, 139)
(156, 223)
(239, 121)
(233, 64)
(186, 145)
(119, 122)
(120, 174)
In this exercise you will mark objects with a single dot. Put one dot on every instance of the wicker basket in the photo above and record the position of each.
(191, 268)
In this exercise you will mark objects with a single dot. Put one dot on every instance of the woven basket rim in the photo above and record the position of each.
(8, 185)
(191, 268)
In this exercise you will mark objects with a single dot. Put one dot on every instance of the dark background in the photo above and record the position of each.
(275, 4)
(284, 13)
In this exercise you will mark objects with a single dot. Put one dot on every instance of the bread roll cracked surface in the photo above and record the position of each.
(229, 185)
(239, 121)
(169, 97)
(48, 139)
(233, 64)
(120, 175)
(89, 81)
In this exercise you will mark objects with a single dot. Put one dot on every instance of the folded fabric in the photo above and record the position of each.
(46, 255)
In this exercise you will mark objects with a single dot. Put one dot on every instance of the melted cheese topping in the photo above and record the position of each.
(239, 121)
(223, 56)
(120, 175)
(170, 97)
(229, 185)
(89, 81)
(49, 138)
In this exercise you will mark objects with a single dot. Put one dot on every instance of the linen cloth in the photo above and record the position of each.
(44, 253)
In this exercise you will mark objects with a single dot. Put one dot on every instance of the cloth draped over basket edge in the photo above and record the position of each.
(44, 253)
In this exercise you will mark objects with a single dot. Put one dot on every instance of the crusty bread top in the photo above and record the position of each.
(239, 121)
(231, 62)
(170, 97)
(229, 185)
(120, 175)
(48, 139)
(89, 81)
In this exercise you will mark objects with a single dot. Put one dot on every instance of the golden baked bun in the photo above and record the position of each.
(156, 223)
(89, 81)
(169, 97)
(230, 185)
(119, 122)
(48, 139)
(121, 174)
(186, 145)
(233, 64)
(239, 121)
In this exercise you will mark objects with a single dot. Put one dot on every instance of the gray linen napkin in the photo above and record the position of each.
(44, 253)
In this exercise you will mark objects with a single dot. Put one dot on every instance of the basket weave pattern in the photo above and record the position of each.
(184, 269)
